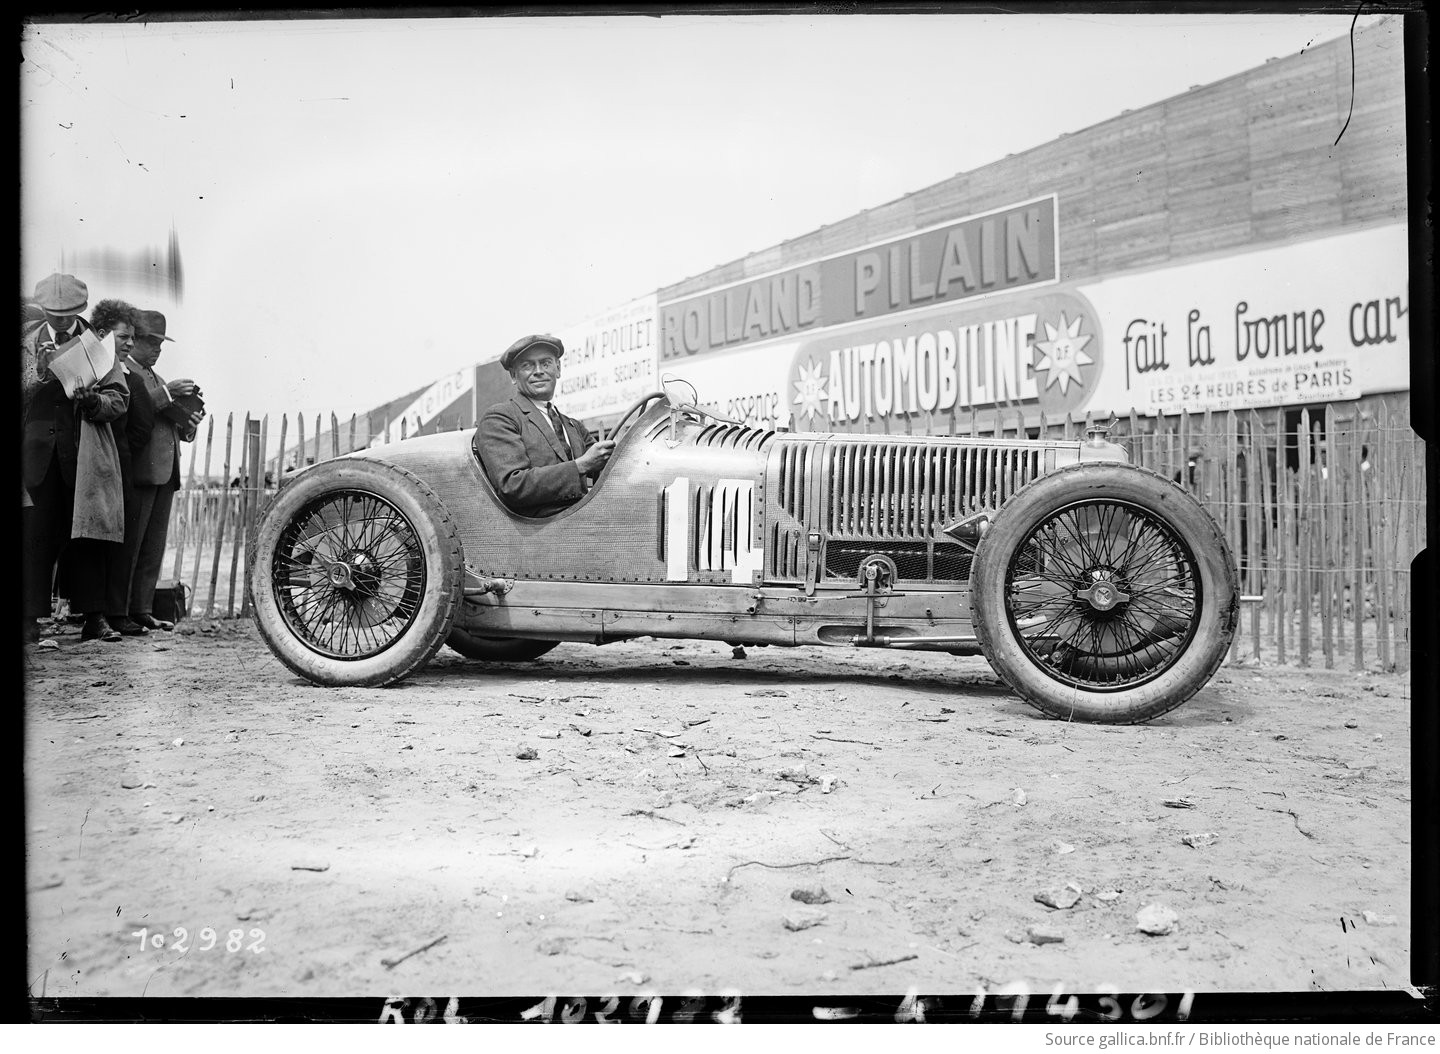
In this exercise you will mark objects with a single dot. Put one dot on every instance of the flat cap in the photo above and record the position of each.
(524, 344)
(62, 294)
(150, 324)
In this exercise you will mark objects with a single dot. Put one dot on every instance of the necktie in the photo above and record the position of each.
(559, 427)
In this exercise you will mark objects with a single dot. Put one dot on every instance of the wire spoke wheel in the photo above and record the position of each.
(1103, 595)
(349, 575)
(357, 574)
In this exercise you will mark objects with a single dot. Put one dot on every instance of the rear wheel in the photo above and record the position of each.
(357, 574)
(1104, 593)
(497, 649)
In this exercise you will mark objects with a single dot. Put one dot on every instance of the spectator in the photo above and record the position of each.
(72, 487)
(121, 319)
(160, 419)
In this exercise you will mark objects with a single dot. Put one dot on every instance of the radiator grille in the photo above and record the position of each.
(793, 482)
(788, 548)
(899, 490)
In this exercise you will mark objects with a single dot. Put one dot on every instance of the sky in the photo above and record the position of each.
(365, 205)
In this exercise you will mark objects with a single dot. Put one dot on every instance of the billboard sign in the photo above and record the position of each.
(979, 256)
(609, 361)
(430, 404)
(1317, 321)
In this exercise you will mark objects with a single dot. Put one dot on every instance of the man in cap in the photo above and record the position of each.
(50, 456)
(162, 416)
(60, 299)
(539, 460)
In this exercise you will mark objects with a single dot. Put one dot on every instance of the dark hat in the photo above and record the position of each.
(150, 324)
(62, 294)
(524, 344)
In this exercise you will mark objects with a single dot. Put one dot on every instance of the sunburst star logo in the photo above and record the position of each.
(810, 394)
(1063, 353)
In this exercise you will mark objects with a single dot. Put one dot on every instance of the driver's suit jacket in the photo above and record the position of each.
(526, 462)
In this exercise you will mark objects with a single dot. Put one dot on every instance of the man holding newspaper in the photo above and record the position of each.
(72, 387)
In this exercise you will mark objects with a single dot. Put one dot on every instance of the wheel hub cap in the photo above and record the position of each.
(1102, 594)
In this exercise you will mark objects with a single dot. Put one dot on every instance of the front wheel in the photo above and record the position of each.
(1104, 593)
(357, 574)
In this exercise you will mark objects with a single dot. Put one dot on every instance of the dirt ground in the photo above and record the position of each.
(678, 795)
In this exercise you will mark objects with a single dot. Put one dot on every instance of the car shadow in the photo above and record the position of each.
(1214, 705)
(715, 673)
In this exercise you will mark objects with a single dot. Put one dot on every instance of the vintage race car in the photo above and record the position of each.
(1097, 590)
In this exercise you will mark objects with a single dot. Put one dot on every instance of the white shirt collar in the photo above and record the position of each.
(544, 409)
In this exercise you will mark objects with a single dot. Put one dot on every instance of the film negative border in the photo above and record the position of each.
(1010, 1003)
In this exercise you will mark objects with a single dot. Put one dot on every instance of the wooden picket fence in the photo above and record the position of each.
(1323, 520)
(218, 506)
(1324, 528)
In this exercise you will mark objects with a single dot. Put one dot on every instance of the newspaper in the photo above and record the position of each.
(84, 361)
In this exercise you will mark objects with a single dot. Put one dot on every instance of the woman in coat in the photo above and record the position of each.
(73, 493)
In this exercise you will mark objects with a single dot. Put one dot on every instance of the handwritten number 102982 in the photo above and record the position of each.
(208, 938)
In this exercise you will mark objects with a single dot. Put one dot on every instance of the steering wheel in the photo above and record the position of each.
(634, 411)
